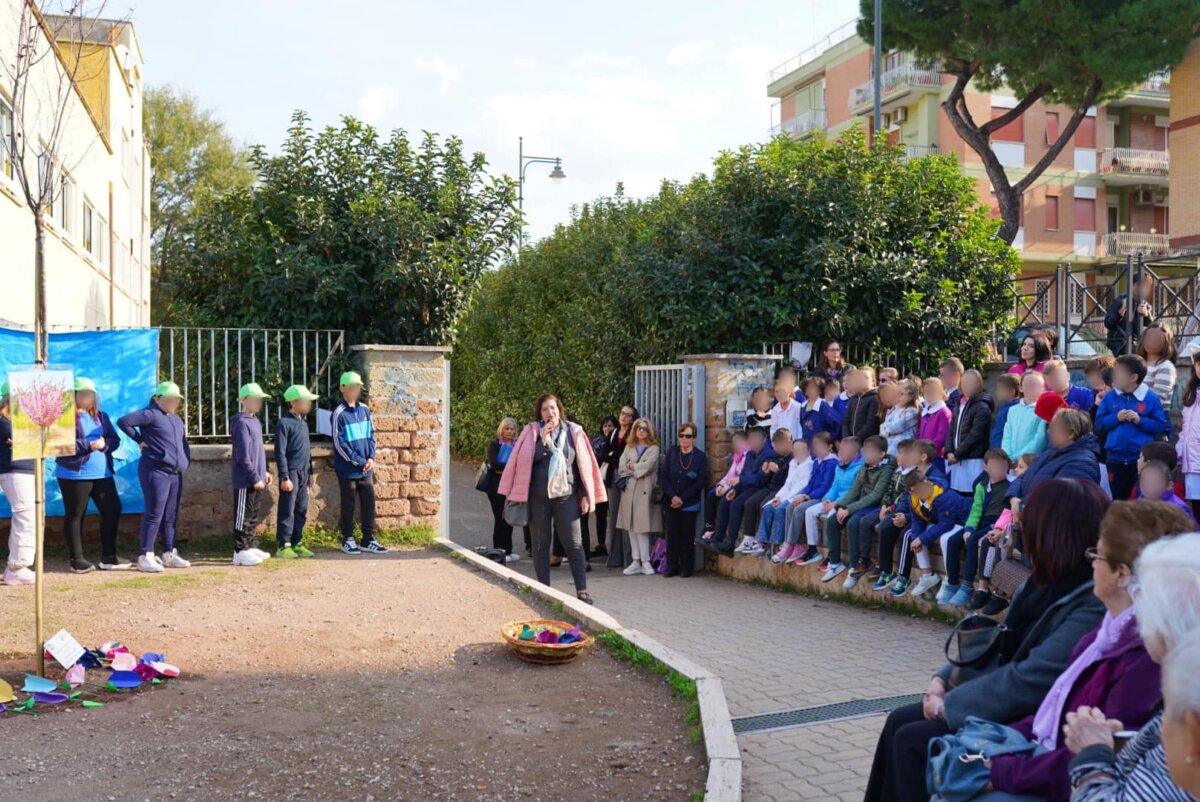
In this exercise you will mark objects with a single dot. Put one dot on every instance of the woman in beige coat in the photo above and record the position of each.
(639, 514)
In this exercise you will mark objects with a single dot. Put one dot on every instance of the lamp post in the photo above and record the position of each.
(878, 77)
(556, 175)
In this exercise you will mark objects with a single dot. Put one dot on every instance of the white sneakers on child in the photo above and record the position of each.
(171, 559)
(748, 544)
(247, 557)
(18, 576)
(149, 564)
(259, 553)
(927, 583)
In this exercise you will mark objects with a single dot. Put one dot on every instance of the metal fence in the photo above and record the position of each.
(860, 354)
(671, 395)
(211, 364)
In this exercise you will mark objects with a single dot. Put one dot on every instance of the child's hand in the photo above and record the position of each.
(267, 479)
(286, 486)
(721, 489)
(883, 513)
(826, 506)
(370, 466)
(966, 535)
(259, 485)
(995, 535)
(899, 520)
(731, 495)
(775, 502)
(1134, 418)
(950, 458)
(917, 546)
(798, 500)
(734, 482)
(842, 515)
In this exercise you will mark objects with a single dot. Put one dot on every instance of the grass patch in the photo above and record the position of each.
(315, 537)
(524, 588)
(682, 688)
(854, 600)
(557, 607)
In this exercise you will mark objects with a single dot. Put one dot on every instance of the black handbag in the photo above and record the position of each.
(981, 644)
(483, 478)
(656, 494)
(621, 483)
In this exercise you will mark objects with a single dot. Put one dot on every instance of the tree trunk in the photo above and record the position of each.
(39, 488)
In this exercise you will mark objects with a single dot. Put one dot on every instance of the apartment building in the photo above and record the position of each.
(97, 245)
(1104, 196)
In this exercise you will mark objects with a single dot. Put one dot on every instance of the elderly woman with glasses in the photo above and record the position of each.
(1108, 766)
(682, 475)
(641, 513)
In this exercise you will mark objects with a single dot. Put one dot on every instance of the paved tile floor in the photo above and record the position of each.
(774, 651)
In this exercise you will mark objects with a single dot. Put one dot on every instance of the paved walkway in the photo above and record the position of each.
(774, 651)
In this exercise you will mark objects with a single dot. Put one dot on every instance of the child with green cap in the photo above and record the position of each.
(160, 434)
(293, 459)
(16, 480)
(250, 476)
(354, 464)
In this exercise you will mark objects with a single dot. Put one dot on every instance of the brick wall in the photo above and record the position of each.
(1185, 148)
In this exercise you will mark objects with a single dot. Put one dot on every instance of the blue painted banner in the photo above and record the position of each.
(124, 366)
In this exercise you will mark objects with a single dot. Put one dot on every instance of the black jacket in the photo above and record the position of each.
(686, 482)
(862, 416)
(293, 450)
(612, 458)
(970, 428)
(1114, 323)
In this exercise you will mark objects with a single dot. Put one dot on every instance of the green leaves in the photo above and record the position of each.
(785, 240)
(348, 229)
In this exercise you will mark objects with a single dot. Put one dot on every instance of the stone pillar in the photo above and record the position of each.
(408, 392)
(728, 381)
(1185, 150)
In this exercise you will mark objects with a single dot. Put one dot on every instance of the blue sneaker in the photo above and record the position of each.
(882, 583)
(961, 598)
(900, 587)
(947, 593)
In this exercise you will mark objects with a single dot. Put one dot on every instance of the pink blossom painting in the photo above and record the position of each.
(43, 411)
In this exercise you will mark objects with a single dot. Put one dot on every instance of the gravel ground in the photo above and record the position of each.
(368, 678)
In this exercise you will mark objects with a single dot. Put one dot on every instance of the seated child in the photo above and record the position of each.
(986, 508)
(994, 546)
(1165, 453)
(893, 507)
(817, 414)
(935, 415)
(775, 468)
(752, 479)
(824, 462)
(844, 474)
(1154, 483)
(1025, 432)
(716, 496)
(774, 512)
(861, 500)
(938, 514)
(1008, 392)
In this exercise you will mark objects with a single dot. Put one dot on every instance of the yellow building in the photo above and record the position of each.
(1185, 135)
(97, 247)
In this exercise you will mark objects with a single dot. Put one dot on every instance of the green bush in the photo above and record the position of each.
(786, 240)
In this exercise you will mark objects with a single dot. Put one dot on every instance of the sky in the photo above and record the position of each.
(630, 92)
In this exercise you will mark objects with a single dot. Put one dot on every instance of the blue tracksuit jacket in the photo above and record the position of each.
(353, 440)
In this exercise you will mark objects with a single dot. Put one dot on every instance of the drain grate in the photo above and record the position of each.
(839, 711)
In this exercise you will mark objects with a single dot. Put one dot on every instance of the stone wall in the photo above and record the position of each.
(727, 378)
(407, 389)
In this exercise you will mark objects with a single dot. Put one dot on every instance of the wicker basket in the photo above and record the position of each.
(544, 653)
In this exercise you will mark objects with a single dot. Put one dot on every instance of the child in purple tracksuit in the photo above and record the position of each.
(250, 476)
(160, 434)
(935, 415)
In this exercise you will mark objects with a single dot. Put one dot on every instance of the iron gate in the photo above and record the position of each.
(670, 395)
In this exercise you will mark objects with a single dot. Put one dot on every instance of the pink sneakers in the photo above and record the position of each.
(784, 552)
(20, 576)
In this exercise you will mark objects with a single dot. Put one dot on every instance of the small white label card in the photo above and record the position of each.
(65, 649)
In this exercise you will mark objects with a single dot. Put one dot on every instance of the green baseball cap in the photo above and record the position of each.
(251, 390)
(168, 390)
(298, 392)
(83, 385)
(349, 378)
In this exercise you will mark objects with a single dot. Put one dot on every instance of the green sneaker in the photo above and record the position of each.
(286, 553)
(302, 551)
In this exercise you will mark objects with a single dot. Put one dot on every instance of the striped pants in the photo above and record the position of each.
(247, 504)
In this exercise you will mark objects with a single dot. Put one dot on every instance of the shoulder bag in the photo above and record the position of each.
(483, 478)
(976, 645)
(959, 765)
(516, 513)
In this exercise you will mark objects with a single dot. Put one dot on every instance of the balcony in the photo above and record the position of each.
(919, 151)
(1125, 243)
(1154, 92)
(802, 124)
(1124, 167)
(842, 38)
(899, 80)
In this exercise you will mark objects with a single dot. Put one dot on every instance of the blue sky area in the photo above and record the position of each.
(622, 91)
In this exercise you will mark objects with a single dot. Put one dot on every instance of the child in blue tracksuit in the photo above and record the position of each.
(849, 463)
(751, 479)
(937, 514)
(293, 460)
(1130, 415)
(987, 506)
(817, 414)
(354, 464)
(825, 463)
(250, 475)
(165, 457)
(1008, 390)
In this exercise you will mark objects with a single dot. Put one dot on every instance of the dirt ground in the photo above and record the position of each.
(349, 678)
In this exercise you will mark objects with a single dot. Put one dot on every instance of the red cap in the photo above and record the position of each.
(1047, 404)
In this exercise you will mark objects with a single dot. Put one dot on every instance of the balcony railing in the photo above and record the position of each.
(918, 151)
(1132, 160)
(1159, 83)
(907, 75)
(1124, 243)
(845, 31)
(803, 123)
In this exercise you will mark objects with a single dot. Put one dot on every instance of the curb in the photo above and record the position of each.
(720, 744)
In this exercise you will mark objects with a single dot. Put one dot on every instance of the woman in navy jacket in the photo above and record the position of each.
(88, 474)
(683, 476)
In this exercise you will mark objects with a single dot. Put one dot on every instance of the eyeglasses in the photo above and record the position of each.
(686, 436)
(1092, 555)
(643, 428)
(626, 414)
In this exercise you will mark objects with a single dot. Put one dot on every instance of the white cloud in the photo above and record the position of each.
(606, 60)
(377, 101)
(447, 73)
(688, 54)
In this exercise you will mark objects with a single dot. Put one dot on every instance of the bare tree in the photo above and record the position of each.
(43, 73)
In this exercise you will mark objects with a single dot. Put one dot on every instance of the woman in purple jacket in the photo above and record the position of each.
(88, 474)
(1110, 669)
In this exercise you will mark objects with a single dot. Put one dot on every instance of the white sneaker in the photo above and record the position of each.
(851, 581)
(833, 571)
(755, 548)
(158, 560)
(260, 554)
(246, 557)
(647, 568)
(512, 558)
(927, 583)
(148, 564)
(748, 544)
(633, 569)
(171, 559)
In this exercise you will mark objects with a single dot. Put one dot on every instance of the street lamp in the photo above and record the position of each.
(556, 175)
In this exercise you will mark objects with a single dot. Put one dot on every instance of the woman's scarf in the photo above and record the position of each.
(1109, 637)
(559, 485)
